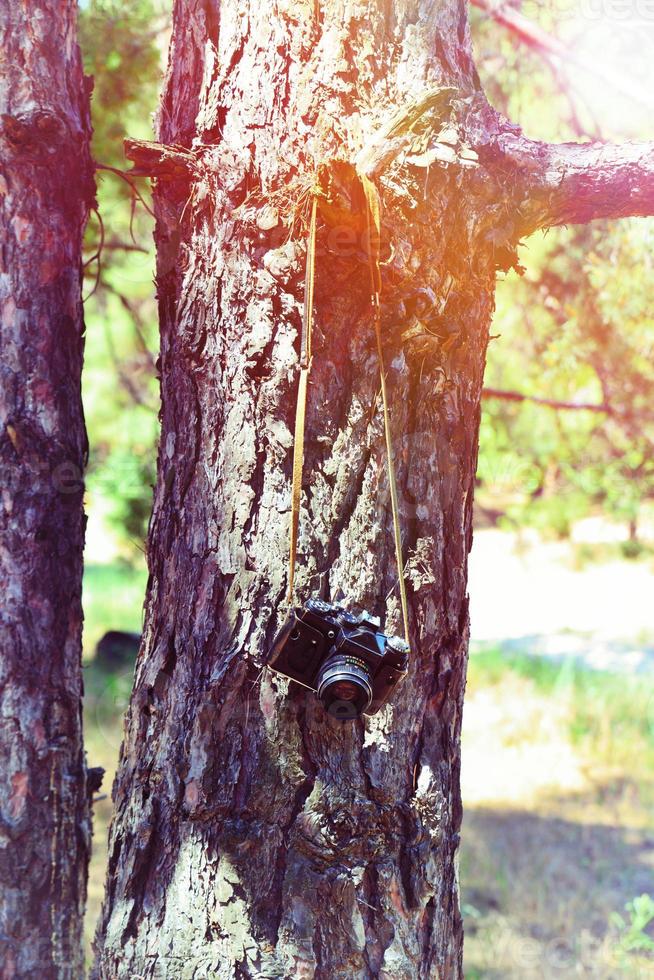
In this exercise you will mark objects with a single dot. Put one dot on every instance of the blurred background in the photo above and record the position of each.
(557, 857)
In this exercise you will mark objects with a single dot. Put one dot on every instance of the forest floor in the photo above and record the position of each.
(558, 833)
(558, 755)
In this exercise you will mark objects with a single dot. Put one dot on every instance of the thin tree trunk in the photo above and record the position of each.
(253, 836)
(46, 186)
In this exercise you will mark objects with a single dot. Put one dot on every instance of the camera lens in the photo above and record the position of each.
(344, 687)
(345, 690)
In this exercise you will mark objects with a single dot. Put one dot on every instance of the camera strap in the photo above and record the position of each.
(373, 231)
(301, 410)
(373, 236)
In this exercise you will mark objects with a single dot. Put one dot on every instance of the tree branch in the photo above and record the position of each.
(517, 396)
(569, 183)
(158, 160)
(137, 321)
(127, 177)
(573, 183)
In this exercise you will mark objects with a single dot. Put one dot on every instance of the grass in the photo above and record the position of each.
(611, 717)
(556, 854)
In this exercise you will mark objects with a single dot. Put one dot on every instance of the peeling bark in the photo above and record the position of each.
(46, 187)
(254, 836)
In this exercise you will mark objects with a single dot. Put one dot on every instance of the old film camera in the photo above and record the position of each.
(346, 659)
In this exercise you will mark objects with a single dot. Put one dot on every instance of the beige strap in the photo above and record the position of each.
(373, 231)
(301, 410)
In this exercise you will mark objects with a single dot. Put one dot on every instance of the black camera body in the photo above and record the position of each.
(346, 659)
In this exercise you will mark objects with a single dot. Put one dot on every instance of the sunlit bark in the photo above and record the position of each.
(572, 183)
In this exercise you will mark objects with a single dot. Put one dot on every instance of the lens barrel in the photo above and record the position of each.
(344, 687)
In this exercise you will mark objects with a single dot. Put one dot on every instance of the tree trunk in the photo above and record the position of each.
(253, 835)
(46, 187)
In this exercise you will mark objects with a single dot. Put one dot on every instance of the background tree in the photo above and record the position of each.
(254, 836)
(46, 190)
(575, 329)
(580, 330)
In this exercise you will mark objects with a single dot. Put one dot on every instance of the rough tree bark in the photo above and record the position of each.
(253, 836)
(46, 187)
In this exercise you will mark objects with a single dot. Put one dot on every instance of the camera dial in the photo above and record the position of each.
(397, 644)
(344, 687)
(319, 606)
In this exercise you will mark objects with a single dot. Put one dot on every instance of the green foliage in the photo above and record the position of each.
(119, 41)
(640, 916)
(122, 46)
(612, 717)
(577, 327)
(113, 598)
(572, 329)
(120, 398)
